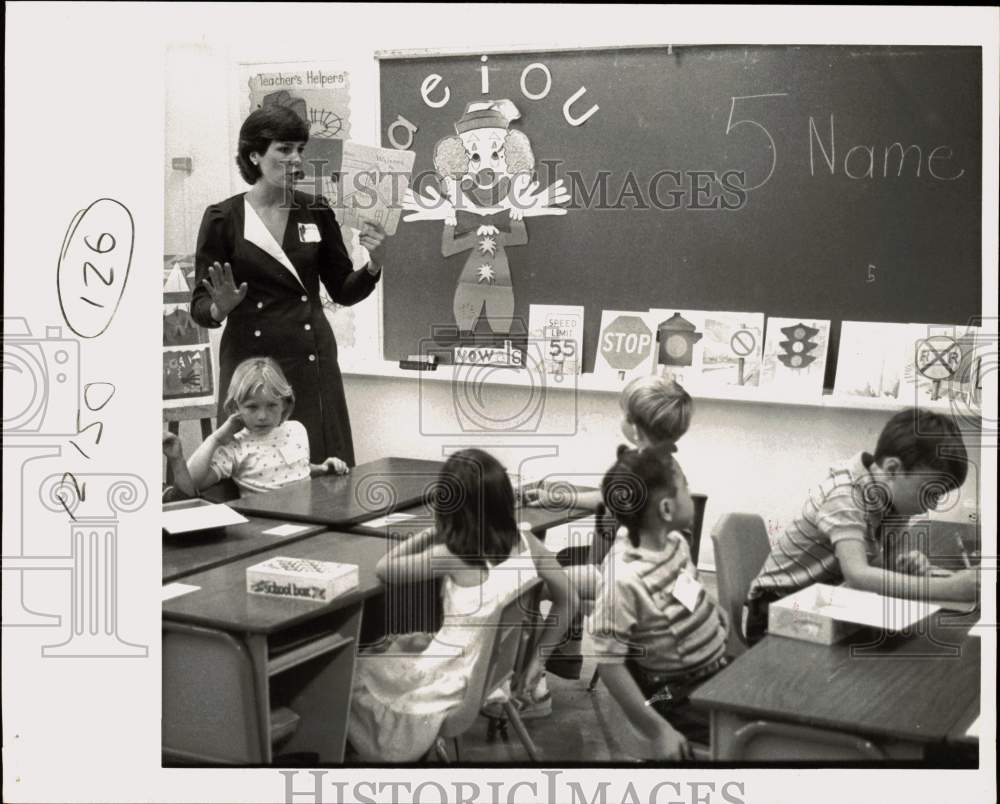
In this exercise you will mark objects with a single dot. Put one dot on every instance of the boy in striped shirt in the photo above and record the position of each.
(656, 631)
(837, 536)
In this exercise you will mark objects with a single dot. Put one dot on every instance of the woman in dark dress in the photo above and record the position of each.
(260, 258)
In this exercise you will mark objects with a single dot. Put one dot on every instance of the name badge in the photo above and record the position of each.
(308, 233)
(288, 455)
(686, 591)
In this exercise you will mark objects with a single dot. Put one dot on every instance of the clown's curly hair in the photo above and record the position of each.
(452, 162)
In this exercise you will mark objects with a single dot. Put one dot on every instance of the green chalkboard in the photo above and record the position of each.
(830, 182)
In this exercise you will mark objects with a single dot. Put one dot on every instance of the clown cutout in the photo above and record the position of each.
(485, 174)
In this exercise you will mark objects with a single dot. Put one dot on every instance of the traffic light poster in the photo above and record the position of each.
(795, 356)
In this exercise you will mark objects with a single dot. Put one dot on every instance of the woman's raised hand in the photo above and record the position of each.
(222, 288)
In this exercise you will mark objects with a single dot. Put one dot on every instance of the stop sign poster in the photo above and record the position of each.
(626, 347)
(795, 356)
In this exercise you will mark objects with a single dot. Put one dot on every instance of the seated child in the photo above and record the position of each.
(656, 412)
(837, 537)
(657, 633)
(258, 446)
(403, 693)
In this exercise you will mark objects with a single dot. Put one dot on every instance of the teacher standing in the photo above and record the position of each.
(259, 261)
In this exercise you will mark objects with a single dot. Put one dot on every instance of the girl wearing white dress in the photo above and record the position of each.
(403, 693)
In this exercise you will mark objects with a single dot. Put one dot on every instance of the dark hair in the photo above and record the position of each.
(917, 436)
(473, 503)
(260, 129)
(633, 481)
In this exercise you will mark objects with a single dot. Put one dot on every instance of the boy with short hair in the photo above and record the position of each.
(837, 537)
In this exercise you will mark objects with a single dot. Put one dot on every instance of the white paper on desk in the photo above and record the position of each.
(172, 590)
(203, 517)
(973, 730)
(284, 530)
(869, 608)
(390, 519)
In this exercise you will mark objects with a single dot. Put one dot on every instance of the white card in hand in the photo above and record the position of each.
(686, 591)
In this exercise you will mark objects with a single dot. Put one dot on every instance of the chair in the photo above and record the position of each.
(741, 547)
(496, 664)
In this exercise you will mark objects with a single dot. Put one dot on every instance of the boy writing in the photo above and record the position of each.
(837, 536)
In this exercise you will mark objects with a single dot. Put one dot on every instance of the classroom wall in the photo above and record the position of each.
(745, 457)
(748, 457)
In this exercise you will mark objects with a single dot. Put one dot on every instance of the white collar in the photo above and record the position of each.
(257, 233)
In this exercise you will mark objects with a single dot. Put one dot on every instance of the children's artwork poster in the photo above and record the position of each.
(944, 364)
(626, 347)
(872, 358)
(795, 356)
(557, 330)
(187, 356)
(679, 344)
(371, 185)
(320, 93)
(706, 350)
(732, 349)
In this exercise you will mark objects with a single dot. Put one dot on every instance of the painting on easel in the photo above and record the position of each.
(187, 356)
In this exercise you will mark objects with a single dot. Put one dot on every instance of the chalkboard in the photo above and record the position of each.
(829, 182)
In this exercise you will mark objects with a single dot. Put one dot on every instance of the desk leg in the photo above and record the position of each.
(320, 692)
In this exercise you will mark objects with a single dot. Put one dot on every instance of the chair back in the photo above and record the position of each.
(699, 500)
(741, 547)
(497, 660)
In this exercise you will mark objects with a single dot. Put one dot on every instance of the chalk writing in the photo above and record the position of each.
(731, 125)
(892, 161)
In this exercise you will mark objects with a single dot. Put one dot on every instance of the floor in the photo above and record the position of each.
(581, 728)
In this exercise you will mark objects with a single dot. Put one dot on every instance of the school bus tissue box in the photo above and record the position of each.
(827, 614)
(301, 579)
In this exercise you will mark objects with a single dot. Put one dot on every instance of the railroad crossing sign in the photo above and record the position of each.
(938, 357)
(626, 342)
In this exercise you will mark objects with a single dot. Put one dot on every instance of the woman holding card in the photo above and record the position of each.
(260, 258)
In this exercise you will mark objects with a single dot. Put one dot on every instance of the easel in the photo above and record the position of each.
(174, 416)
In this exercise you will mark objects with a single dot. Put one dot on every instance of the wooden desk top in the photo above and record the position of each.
(912, 689)
(540, 519)
(222, 601)
(370, 490)
(188, 553)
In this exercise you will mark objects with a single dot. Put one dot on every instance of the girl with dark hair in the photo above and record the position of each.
(404, 692)
(260, 258)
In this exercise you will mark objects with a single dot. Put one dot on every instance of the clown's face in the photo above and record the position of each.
(487, 180)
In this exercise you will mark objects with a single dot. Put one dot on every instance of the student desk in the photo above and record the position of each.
(894, 700)
(338, 501)
(417, 607)
(248, 676)
(540, 520)
(194, 552)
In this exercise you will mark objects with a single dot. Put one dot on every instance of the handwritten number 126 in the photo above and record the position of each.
(94, 265)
